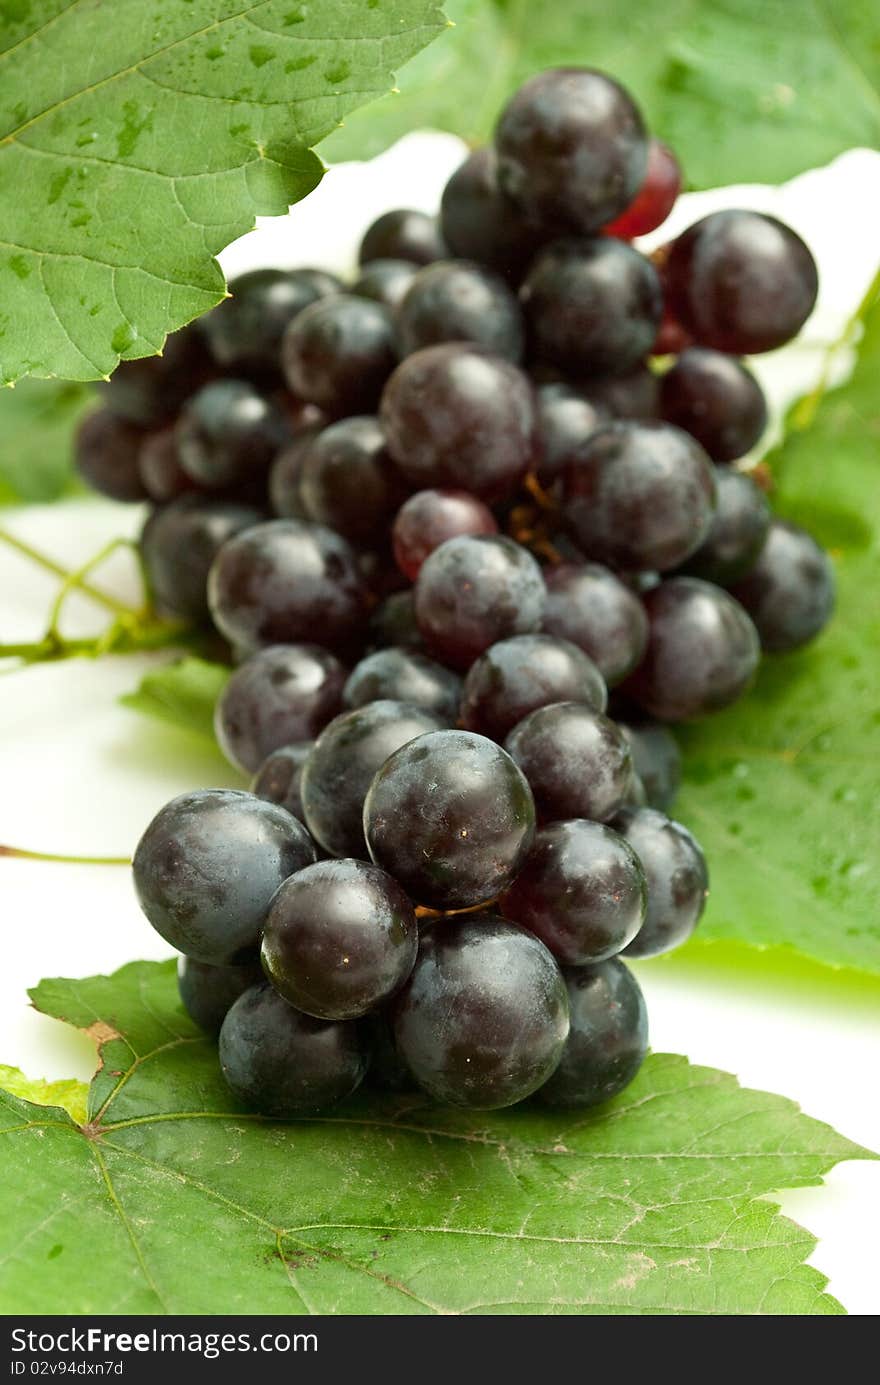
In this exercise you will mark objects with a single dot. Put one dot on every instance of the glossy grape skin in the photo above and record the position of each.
(571, 148)
(279, 777)
(393, 622)
(591, 306)
(178, 544)
(404, 676)
(106, 453)
(479, 223)
(162, 476)
(151, 390)
(227, 433)
(515, 676)
(245, 330)
(207, 867)
(340, 769)
(385, 281)
(607, 1040)
(455, 300)
(402, 234)
(581, 890)
(340, 939)
(565, 419)
(338, 353)
(284, 693)
(678, 880)
(483, 1019)
(348, 481)
(209, 992)
(577, 762)
(286, 581)
(741, 281)
(457, 417)
(640, 496)
(656, 760)
(285, 476)
(717, 400)
(588, 605)
(737, 533)
(702, 653)
(633, 394)
(655, 198)
(789, 593)
(451, 817)
(283, 1063)
(429, 518)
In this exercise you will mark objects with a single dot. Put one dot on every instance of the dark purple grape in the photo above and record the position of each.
(565, 420)
(592, 608)
(451, 817)
(572, 148)
(387, 1071)
(281, 1062)
(737, 533)
(403, 234)
(741, 282)
(229, 433)
(404, 676)
(348, 481)
(655, 198)
(393, 622)
(789, 593)
(635, 394)
(582, 891)
(608, 1038)
(279, 777)
(702, 652)
(106, 453)
(592, 306)
(208, 992)
(150, 391)
(162, 476)
(245, 330)
(207, 867)
(457, 417)
(286, 581)
(385, 281)
(715, 399)
(639, 496)
(479, 223)
(455, 300)
(516, 676)
(285, 477)
(378, 567)
(429, 518)
(285, 693)
(472, 592)
(656, 760)
(577, 762)
(678, 881)
(338, 354)
(179, 543)
(340, 769)
(340, 939)
(483, 1019)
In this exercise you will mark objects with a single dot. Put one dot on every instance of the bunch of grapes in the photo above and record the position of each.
(446, 518)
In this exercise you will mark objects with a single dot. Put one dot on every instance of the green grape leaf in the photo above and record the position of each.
(136, 140)
(72, 1096)
(37, 423)
(172, 1199)
(782, 789)
(183, 694)
(744, 90)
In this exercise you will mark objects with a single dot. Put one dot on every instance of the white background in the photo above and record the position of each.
(83, 776)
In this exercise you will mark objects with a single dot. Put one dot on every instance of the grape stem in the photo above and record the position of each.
(21, 854)
(72, 580)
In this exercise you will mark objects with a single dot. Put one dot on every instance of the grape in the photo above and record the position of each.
(483, 1019)
(285, 477)
(340, 769)
(340, 939)
(429, 518)
(451, 817)
(245, 331)
(284, 693)
(338, 353)
(577, 762)
(571, 148)
(286, 581)
(282, 1062)
(515, 676)
(405, 676)
(180, 542)
(348, 481)
(402, 235)
(208, 992)
(789, 593)
(207, 867)
(657, 761)
(634, 394)
(678, 882)
(457, 417)
(385, 281)
(741, 282)
(479, 223)
(582, 891)
(162, 476)
(393, 622)
(592, 306)
(592, 608)
(702, 651)
(737, 533)
(472, 592)
(387, 1071)
(454, 300)
(280, 775)
(151, 390)
(655, 198)
(378, 568)
(565, 420)
(227, 433)
(715, 399)
(672, 339)
(608, 1038)
(106, 453)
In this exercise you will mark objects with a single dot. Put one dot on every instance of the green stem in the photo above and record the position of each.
(19, 853)
(123, 637)
(70, 578)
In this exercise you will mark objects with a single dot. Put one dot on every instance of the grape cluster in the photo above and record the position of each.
(473, 540)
